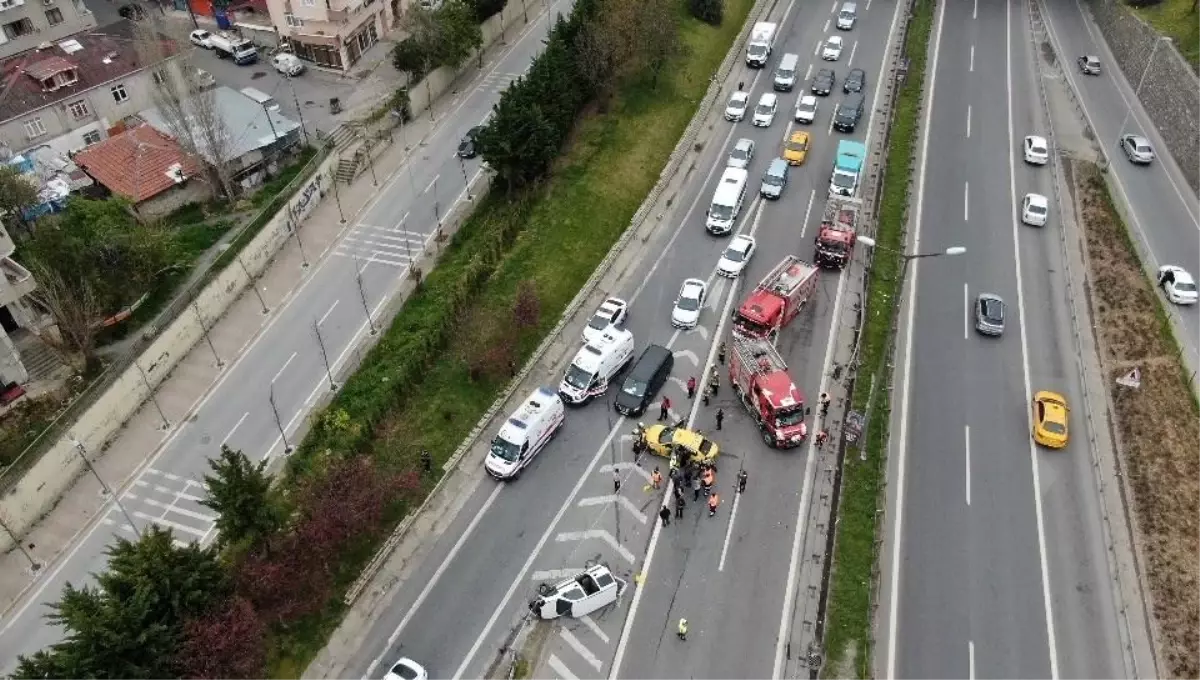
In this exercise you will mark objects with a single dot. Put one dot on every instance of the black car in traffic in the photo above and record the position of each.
(822, 83)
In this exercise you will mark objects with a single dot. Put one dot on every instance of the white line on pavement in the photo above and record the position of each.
(168, 523)
(729, 531)
(1033, 461)
(968, 121)
(327, 312)
(966, 313)
(902, 439)
(235, 427)
(967, 448)
(594, 627)
(605, 469)
(432, 183)
(825, 28)
(559, 667)
(853, 49)
(203, 517)
(804, 225)
(971, 63)
(975, 10)
(971, 660)
(615, 500)
(579, 648)
(283, 367)
(600, 535)
(966, 201)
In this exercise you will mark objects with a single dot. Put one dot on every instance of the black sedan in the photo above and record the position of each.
(855, 81)
(467, 147)
(822, 83)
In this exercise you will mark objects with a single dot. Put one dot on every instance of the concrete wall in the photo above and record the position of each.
(40, 488)
(1171, 91)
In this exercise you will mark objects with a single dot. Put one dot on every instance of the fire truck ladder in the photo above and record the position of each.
(789, 275)
(759, 356)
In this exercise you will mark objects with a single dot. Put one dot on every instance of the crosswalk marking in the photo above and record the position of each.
(559, 667)
(579, 648)
(594, 627)
(168, 523)
(597, 534)
(171, 507)
(618, 500)
(108, 521)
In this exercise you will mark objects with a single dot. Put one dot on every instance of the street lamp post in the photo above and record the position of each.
(104, 485)
(953, 250)
(1137, 92)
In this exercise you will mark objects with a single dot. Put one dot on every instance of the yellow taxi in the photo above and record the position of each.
(663, 440)
(1050, 419)
(796, 148)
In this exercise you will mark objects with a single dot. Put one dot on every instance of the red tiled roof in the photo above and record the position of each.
(108, 53)
(134, 163)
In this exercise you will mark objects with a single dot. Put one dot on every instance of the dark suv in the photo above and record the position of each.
(856, 81)
(848, 112)
(644, 381)
(822, 83)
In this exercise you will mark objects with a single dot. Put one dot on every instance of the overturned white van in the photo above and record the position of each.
(593, 589)
(525, 434)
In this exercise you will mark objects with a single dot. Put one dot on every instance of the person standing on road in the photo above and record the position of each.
(825, 404)
(679, 504)
(664, 410)
(616, 481)
(714, 381)
(720, 417)
(682, 630)
(696, 489)
(691, 387)
(741, 480)
(713, 501)
(656, 479)
(721, 353)
(665, 515)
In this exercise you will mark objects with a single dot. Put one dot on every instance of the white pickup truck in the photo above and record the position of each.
(592, 589)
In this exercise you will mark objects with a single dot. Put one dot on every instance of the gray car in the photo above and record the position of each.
(1137, 149)
(742, 154)
(774, 179)
(989, 314)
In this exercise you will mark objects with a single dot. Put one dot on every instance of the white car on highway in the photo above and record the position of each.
(742, 154)
(764, 113)
(1179, 285)
(735, 257)
(735, 110)
(833, 48)
(686, 313)
(1037, 150)
(612, 312)
(406, 669)
(1034, 210)
(806, 109)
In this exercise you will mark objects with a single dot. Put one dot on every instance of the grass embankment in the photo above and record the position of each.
(448, 353)
(848, 616)
(1159, 423)
(1178, 20)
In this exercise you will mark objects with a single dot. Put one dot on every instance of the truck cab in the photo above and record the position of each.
(847, 169)
(838, 232)
(761, 380)
(776, 300)
(587, 592)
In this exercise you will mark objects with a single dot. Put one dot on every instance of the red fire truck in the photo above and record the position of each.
(835, 238)
(776, 300)
(760, 378)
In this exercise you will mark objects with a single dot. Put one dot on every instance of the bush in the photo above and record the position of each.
(401, 105)
(708, 11)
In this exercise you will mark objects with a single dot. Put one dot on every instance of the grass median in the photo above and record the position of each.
(848, 616)
(501, 285)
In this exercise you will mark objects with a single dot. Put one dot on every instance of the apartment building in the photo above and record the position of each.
(69, 94)
(331, 33)
(15, 311)
(25, 24)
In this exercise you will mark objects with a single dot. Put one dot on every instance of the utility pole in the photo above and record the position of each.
(204, 329)
(466, 181)
(299, 110)
(104, 485)
(296, 229)
(338, 197)
(436, 207)
(34, 565)
(324, 355)
(166, 424)
(287, 447)
(257, 293)
(370, 158)
(362, 295)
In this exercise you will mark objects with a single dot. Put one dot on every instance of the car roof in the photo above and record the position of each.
(989, 297)
(808, 99)
(741, 241)
(744, 143)
(692, 283)
(1138, 139)
(612, 304)
(1181, 275)
(1036, 139)
(767, 98)
(1036, 199)
(740, 96)
(857, 71)
(835, 39)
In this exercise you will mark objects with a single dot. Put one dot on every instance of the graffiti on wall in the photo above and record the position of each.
(309, 196)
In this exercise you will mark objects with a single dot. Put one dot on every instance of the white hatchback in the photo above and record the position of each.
(612, 312)
(1034, 210)
(686, 313)
(735, 257)
(833, 48)
(735, 110)
(742, 154)
(806, 109)
(764, 112)
(1037, 150)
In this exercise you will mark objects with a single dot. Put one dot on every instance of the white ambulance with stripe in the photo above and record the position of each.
(525, 434)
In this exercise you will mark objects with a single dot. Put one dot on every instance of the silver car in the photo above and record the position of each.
(774, 179)
(742, 154)
(1137, 149)
(989, 314)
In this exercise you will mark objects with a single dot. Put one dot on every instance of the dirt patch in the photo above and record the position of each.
(1158, 423)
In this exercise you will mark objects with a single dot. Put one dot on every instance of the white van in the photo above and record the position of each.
(596, 364)
(785, 74)
(525, 434)
(727, 201)
(261, 98)
(847, 16)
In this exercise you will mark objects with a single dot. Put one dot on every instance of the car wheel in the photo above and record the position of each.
(767, 438)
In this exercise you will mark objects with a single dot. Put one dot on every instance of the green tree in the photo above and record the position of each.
(519, 141)
(130, 624)
(411, 56)
(17, 194)
(659, 35)
(240, 493)
(484, 9)
(708, 11)
(92, 260)
(457, 33)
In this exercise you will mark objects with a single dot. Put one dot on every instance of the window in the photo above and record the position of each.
(8, 4)
(79, 109)
(34, 128)
(18, 28)
(291, 20)
(159, 76)
(54, 16)
(91, 137)
(118, 93)
(313, 3)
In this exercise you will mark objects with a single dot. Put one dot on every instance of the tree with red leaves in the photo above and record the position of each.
(227, 642)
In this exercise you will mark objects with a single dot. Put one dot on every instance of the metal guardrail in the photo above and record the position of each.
(674, 162)
(32, 453)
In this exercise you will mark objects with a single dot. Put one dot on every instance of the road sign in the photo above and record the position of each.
(853, 427)
(1131, 379)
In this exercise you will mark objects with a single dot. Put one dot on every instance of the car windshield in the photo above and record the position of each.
(739, 154)
(666, 436)
(578, 378)
(757, 50)
(1037, 209)
(1054, 428)
(773, 180)
(790, 418)
(797, 145)
(599, 322)
(808, 107)
(721, 212)
(404, 671)
(688, 304)
(1186, 287)
(505, 450)
(737, 103)
(734, 255)
(843, 180)
(785, 73)
(764, 109)
(634, 388)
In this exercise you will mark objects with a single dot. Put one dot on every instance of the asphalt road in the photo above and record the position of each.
(1001, 566)
(1163, 208)
(286, 357)
(460, 608)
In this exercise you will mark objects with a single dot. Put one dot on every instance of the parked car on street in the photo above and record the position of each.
(288, 64)
(201, 38)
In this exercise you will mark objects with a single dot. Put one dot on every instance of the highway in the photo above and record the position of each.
(1162, 208)
(995, 561)
(286, 359)
(462, 605)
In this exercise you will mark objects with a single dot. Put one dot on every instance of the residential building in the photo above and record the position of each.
(25, 24)
(255, 136)
(331, 33)
(148, 167)
(69, 94)
(15, 313)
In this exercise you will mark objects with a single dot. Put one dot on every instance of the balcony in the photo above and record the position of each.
(18, 281)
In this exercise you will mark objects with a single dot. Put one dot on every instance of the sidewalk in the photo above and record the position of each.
(198, 371)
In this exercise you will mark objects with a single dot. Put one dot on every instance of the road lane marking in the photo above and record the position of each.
(175, 526)
(283, 367)
(971, 659)
(804, 225)
(966, 313)
(825, 29)
(235, 427)
(1033, 461)
(171, 507)
(966, 201)
(580, 648)
(832, 8)
(902, 439)
(968, 121)
(559, 667)
(967, 448)
(729, 531)
(432, 184)
(975, 10)
(971, 63)
(433, 581)
(600, 535)
(594, 627)
(808, 74)
(818, 49)
(327, 312)
(615, 499)
(853, 49)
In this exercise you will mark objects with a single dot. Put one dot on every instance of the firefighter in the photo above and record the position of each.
(656, 479)
(691, 387)
(721, 353)
(682, 630)
(741, 480)
(713, 501)
(707, 480)
(714, 381)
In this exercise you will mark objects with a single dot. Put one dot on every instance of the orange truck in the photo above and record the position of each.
(776, 300)
(838, 231)
(760, 379)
